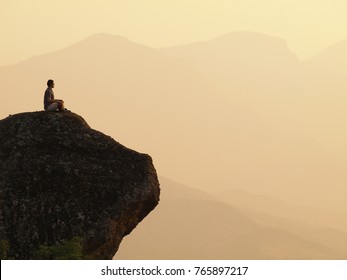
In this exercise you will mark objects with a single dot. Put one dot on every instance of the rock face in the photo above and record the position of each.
(60, 179)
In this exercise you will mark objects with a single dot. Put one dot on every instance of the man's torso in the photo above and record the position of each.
(49, 95)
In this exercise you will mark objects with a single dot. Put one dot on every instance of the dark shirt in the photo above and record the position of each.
(48, 98)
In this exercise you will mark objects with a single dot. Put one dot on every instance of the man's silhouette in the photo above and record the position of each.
(50, 103)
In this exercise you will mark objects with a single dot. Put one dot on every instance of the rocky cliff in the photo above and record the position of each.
(60, 179)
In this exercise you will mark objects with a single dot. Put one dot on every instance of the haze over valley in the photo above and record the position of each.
(192, 224)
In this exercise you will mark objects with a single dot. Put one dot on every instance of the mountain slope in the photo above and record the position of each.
(260, 203)
(194, 225)
(315, 224)
(334, 58)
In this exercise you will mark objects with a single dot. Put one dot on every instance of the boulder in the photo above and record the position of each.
(60, 179)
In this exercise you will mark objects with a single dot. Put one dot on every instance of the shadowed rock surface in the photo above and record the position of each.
(60, 179)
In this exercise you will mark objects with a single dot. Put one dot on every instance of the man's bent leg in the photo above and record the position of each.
(61, 106)
(53, 107)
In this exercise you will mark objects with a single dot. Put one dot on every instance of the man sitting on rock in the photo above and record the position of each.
(51, 104)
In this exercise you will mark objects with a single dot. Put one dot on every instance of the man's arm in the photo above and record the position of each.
(50, 99)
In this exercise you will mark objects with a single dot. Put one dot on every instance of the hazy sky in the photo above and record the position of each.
(34, 27)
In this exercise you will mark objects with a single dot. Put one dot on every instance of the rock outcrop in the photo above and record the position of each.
(60, 179)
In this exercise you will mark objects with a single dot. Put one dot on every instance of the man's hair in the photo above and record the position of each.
(50, 82)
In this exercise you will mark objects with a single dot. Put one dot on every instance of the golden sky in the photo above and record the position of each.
(34, 27)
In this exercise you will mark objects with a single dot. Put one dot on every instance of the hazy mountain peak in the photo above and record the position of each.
(246, 41)
(250, 47)
(104, 38)
(333, 56)
(106, 41)
(249, 35)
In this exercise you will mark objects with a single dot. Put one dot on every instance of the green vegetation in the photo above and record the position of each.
(4, 249)
(66, 250)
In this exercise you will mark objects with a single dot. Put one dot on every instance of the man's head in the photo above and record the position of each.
(50, 83)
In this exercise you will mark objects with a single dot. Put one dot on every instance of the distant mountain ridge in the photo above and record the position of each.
(237, 45)
(335, 53)
(232, 39)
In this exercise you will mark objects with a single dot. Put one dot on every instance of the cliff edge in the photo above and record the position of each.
(60, 179)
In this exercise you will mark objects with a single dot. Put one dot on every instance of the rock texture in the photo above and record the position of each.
(60, 179)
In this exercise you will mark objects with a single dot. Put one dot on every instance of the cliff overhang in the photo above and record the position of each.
(60, 179)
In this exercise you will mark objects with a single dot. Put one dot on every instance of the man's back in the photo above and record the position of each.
(48, 97)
